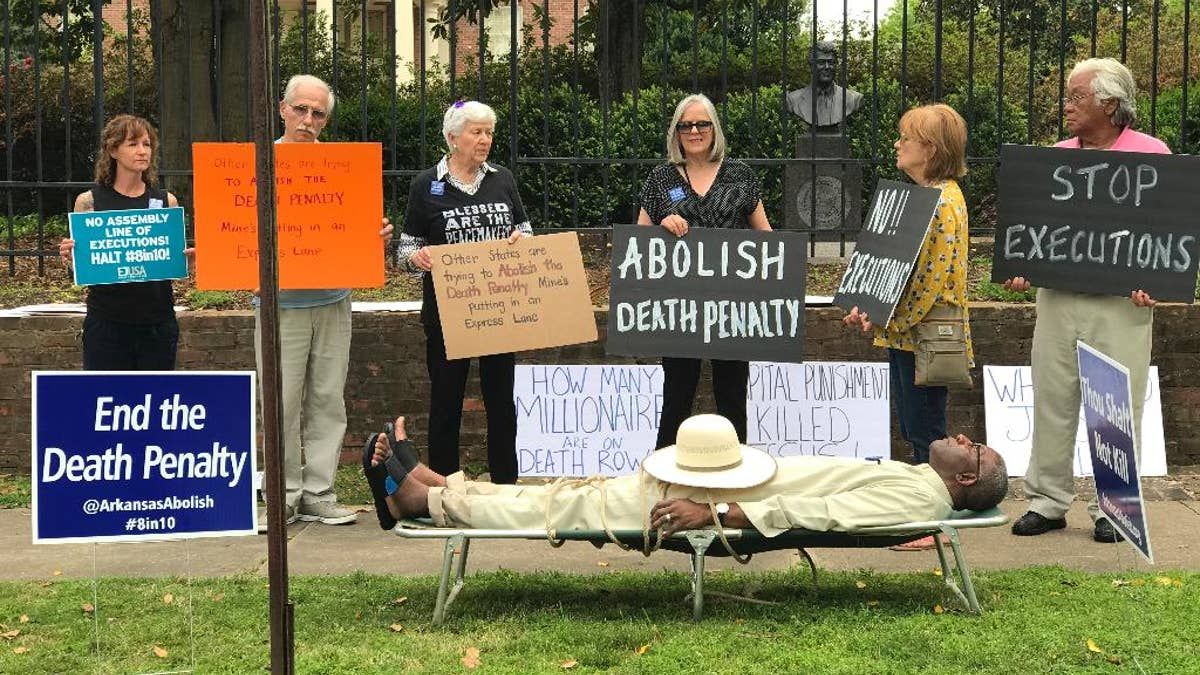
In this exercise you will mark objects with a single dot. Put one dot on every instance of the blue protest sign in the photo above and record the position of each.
(119, 246)
(1108, 412)
(130, 456)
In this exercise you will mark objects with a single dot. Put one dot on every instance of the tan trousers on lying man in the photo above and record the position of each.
(815, 493)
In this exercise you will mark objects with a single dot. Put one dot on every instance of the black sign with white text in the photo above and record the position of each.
(712, 293)
(1098, 221)
(887, 249)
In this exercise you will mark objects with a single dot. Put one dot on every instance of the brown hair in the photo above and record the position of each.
(943, 128)
(118, 130)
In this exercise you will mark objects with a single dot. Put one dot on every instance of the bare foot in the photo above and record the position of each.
(421, 471)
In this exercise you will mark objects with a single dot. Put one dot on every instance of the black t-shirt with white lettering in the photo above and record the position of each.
(440, 213)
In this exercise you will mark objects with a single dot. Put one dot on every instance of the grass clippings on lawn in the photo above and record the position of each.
(1043, 620)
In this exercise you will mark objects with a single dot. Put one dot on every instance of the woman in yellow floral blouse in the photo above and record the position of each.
(932, 151)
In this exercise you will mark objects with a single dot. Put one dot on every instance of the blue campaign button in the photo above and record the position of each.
(437, 187)
(676, 194)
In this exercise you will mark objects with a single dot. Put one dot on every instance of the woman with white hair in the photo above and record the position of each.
(700, 187)
(464, 199)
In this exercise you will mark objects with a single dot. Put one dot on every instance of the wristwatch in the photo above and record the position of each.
(722, 509)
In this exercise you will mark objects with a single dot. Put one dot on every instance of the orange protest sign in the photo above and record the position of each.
(329, 208)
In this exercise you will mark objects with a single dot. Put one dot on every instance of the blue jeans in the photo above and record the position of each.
(109, 345)
(921, 410)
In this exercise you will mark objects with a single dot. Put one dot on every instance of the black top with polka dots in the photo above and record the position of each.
(729, 203)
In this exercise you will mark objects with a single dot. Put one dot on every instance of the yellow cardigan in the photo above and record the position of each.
(939, 276)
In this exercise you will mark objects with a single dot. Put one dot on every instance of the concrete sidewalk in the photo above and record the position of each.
(321, 549)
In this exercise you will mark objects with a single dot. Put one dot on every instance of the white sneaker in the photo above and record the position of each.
(329, 513)
(289, 517)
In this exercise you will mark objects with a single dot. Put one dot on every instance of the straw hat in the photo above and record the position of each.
(707, 454)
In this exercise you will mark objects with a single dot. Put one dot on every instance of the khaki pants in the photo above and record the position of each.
(1112, 325)
(314, 354)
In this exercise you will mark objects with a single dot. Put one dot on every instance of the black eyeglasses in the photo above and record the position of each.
(702, 127)
(978, 448)
(303, 111)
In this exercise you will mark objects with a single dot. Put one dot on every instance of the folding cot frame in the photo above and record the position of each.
(698, 544)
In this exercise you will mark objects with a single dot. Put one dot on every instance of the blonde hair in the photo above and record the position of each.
(716, 153)
(118, 130)
(943, 128)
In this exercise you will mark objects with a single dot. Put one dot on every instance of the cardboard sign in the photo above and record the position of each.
(495, 297)
(1098, 222)
(575, 420)
(135, 456)
(886, 249)
(1008, 408)
(120, 246)
(714, 293)
(329, 210)
(1108, 407)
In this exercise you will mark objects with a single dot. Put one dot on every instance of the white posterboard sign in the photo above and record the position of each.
(1008, 406)
(830, 409)
(584, 420)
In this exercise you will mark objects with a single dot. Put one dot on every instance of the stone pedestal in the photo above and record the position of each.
(836, 189)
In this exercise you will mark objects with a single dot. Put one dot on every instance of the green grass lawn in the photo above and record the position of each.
(1036, 621)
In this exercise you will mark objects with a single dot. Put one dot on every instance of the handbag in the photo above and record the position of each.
(940, 349)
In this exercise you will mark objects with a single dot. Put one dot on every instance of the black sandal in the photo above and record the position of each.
(404, 450)
(376, 477)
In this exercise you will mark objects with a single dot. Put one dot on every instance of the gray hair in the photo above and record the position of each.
(1112, 81)
(303, 80)
(460, 114)
(675, 148)
(990, 487)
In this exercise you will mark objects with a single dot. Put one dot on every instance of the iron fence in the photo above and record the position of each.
(583, 88)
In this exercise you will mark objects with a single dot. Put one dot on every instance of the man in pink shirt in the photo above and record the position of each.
(1101, 108)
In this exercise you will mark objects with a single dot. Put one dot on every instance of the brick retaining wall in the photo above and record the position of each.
(387, 368)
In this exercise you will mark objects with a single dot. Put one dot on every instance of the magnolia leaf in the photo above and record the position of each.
(601, 563)
(160, 652)
(872, 603)
(24, 618)
(643, 649)
(1093, 647)
(1163, 581)
(58, 573)
(396, 628)
(11, 634)
(400, 600)
(937, 609)
(168, 599)
(567, 665)
(1113, 659)
(88, 608)
(937, 572)
(20, 650)
(471, 658)
(860, 584)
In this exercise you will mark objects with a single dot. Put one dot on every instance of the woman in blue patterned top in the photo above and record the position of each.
(700, 187)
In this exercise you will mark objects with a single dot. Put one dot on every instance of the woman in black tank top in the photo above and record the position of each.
(128, 326)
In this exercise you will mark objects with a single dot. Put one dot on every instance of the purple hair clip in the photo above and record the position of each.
(459, 104)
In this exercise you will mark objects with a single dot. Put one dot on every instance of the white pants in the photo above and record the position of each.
(314, 355)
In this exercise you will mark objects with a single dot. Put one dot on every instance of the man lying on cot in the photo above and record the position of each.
(707, 478)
